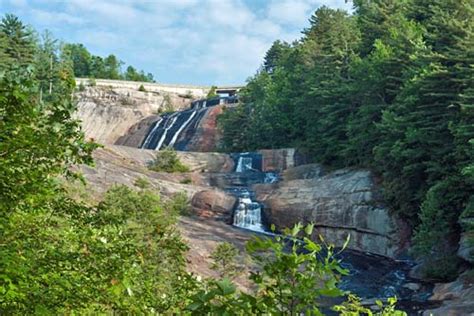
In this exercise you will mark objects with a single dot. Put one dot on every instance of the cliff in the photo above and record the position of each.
(108, 113)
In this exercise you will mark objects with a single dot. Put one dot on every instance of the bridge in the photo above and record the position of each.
(194, 90)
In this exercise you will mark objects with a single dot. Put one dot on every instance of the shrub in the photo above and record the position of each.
(141, 88)
(91, 82)
(142, 183)
(212, 92)
(186, 181)
(179, 204)
(224, 259)
(81, 87)
(167, 160)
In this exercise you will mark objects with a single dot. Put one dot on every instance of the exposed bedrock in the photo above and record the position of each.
(205, 136)
(108, 113)
(341, 202)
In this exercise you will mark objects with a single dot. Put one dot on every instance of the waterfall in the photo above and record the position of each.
(244, 164)
(248, 213)
(148, 138)
(163, 136)
(183, 126)
(169, 130)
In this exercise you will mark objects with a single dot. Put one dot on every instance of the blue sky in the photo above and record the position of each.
(179, 41)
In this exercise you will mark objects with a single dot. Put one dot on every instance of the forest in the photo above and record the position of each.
(389, 88)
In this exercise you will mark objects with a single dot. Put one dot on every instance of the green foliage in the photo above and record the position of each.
(291, 278)
(289, 281)
(212, 92)
(224, 258)
(119, 257)
(87, 65)
(91, 82)
(34, 133)
(188, 95)
(353, 307)
(141, 88)
(388, 88)
(17, 43)
(179, 204)
(81, 87)
(142, 183)
(167, 160)
(186, 181)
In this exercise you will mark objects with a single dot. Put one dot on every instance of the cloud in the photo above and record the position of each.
(181, 41)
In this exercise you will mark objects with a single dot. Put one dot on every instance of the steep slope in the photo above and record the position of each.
(107, 113)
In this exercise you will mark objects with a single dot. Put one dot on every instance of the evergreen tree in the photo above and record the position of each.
(20, 43)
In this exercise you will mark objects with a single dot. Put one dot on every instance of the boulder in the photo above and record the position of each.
(457, 297)
(343, 202)
(213, 204)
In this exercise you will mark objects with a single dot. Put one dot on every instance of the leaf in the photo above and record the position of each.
(309, 229)
(226, 287)
(194, 306)
(348, 238)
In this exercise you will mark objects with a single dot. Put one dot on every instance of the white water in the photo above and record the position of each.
(175, 117)
(244, 164)
(248, 214)
(183, 126)
(150, 135)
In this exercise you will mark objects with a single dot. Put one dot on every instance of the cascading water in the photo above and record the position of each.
(168, 131)
(248, 213)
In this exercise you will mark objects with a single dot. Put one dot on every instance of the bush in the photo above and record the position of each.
(81, 87)
(91, 82)
(212, 92)
(122, 257)
(141, 88)
(179, 204)
(224, 259)
(186, 181)
(167, 160)
(142, 183)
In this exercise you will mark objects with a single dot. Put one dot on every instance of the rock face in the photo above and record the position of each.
(277, 159)
(107, 113)
(206, 136)
(124, 165)
(341, 203)
(214, 204)
(457, 297)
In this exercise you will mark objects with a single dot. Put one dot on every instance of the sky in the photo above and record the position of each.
(201, 42)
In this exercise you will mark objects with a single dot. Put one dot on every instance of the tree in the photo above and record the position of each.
(81, 59)
(224, 258)
(112, 67)
(20, 44)
(212, 92)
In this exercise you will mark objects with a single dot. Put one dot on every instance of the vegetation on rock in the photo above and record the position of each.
(224, 259)
(167, 160)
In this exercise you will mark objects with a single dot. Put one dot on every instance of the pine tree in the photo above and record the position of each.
(20, 44)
